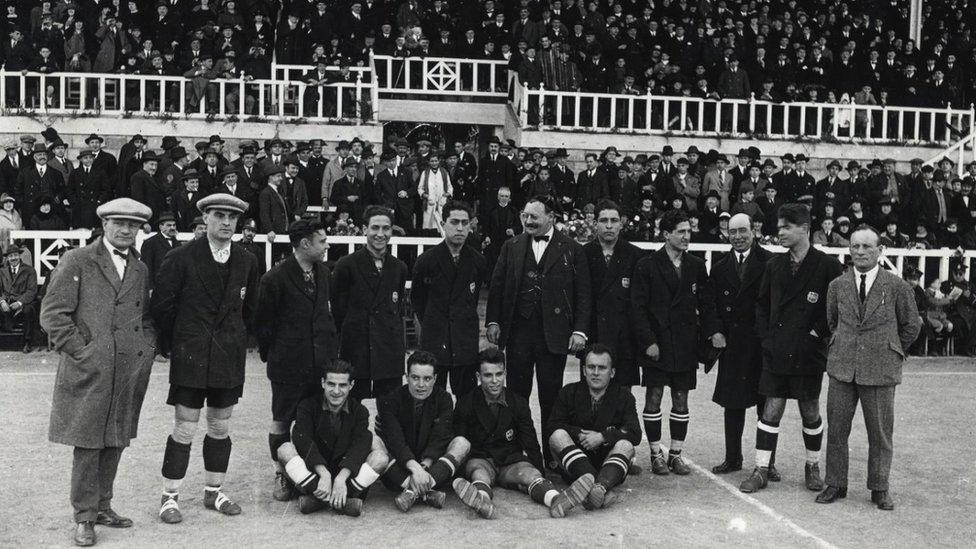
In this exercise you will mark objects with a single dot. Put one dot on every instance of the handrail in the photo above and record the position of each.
(441, 76)
(293, 72)
(959, 148)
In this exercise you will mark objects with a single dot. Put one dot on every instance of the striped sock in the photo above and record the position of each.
(363, 479)
(305, 480)
(813, 439)
(652, 426)
(443, 469)
(575, 462)
(483, 486)
(613, 471)
(678, 424)
(542, 491)
(766, 436)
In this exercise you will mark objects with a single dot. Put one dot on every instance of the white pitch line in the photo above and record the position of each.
(938, 374)
(763, 508)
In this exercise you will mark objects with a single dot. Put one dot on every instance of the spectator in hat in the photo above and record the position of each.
(130, 162)
(38, 181)
(686, 185)
(962, 312)
(88, 187)
(57, 159)
(9, 167)
(46, 216)
(294, 190)
(348, 192)
(18, 295)
(273, 211)
(10, 219)
(146, 190)
(825, 235)
(963, 205)
(184, 202)
(831, 188)
(334, 170)
(720, 181)
(104, 160)
(201, 94)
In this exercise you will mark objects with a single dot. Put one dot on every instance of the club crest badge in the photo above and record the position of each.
(510, 435)
(396, 297)
(471, 287)
(625, 282)
(694, 288)
(813, 297)
(243, 293)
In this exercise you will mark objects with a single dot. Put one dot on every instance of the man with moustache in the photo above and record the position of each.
(791, 319)
(539, 304)
(673, 312)
(874, 320)
(367, 301)
(735, 279)
(446, 286)
(612, 263)
(415, 423)
(296, 334)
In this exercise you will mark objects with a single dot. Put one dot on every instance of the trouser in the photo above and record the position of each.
(878, 406)
(527, 350)
(26, 315)
(92, 478)
(462, 378)
(735, 419)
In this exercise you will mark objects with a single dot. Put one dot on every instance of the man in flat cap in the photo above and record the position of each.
(203, 302)
(96, 314)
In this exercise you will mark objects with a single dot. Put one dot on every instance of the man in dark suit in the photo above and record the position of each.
(494, 171)
(735, 279)
(296, 333)
(367, 301)
(37, 182)
(86, 190)
(832, 189)
(185, 200)
(539, 304)
(935, 206)
(230, 183)
(673, 316)
(871, 337)
(18, 294)
(155, 248)
(612, 263)
(592, 184)
(415, 422)
(395, 190)
(103, 160)
(273, 213)
(211, 286)
(446, 286)
(791, 319)
(594, 425)
(501, 224)
(249, 173)
(497, 422)
(146, 189)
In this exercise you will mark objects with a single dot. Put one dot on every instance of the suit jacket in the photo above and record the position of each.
(388, 187)
(31, 187)
(319, 443)
(495, 174)
(674, 311)
(295, 330)
(869, 346)
(85, 192)
(101, 327)
(22, 288)
(411, 437)
(368, 308)
(342, 190)
(791, 309)
(206, 319)
(740, 364)
(929, 208)
(185, 208)
(107, 163)
(589, 190)
(273, 214)
(153, 251)
(145, 189)
(610, 321)
(566, 299)
(445, 297)
(615, 416)
(507, 438)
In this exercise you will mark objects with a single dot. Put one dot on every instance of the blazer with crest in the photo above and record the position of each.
(868, 345)
(368, 308)
(615, 416)
(295, 330)
(673, 311)
(791, 313)
(411, 437)
(740, 364)
(319, 442)
(206, 320)
(566, 300)
(507, 438)
(610, 320)
(445, 297)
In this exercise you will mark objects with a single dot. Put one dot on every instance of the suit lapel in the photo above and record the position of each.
(385, 280)
(668, 272)
(877, 294)
(554, 251)
(129, 281)
(755, 265)
(234, 281)
(368, 269)
(795, 284)
(106, 265)
(296, 276)
(207, 269)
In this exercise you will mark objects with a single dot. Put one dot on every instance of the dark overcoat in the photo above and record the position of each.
(615, 417)
(411, 437)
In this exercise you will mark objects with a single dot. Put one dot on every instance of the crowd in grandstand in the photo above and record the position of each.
(831, 50)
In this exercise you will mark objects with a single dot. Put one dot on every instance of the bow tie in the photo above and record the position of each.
(124, 256)
(541, 238)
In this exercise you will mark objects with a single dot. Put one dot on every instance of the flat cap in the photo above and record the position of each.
(124, 208)
(222, 201)
(27, 139)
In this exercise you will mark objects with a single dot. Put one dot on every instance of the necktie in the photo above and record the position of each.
(124, 256)
(41, 171)
(740, 265)
(862, 292)
(607, 258)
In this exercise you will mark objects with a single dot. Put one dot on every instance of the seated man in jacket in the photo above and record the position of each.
(504, 448)
(329, 457)
(594, 424)
(18, 294)
(415, 423)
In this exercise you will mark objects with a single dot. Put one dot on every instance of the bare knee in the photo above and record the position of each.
(218, 422)
(679, 401)
(378, 460)
(773, 411)
(459, 448)
(809, 410)
(624, 448)
(286, 452)
(560, 440)
(652, 401)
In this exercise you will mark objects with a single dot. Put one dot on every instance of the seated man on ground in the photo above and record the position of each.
(415, 424)
(330, 457)
(594, 424)
(504, 448)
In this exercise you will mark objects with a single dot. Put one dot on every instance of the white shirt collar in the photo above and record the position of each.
(112, 248)
(220, 253)
(868, 281)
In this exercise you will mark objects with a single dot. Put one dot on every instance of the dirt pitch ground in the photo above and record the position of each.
(933, 482)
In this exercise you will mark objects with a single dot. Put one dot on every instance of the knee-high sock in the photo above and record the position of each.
(305, 480)
(812, 439)
(678, 423)
(363, 479)
(443, 469)
(483, 486)
(175, 461)
(542, 491)
(216, 454)
(766, 435)
(652, 427)
(735, 421)
(574, 461)
(613, 471)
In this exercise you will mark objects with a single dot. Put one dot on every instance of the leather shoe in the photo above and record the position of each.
(27, 348)
(832, 494)
(772, 473)
(814, 481)
(85, 534)
(883, 499)
(727, 467)
(110, 518)
(756, 481)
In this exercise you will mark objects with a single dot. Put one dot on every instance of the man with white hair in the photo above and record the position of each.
(736, 280)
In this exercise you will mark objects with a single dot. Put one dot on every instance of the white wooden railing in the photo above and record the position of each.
(653, 114)
(45, 249)
(443, 76)
(172, 96)
(962, 153)
(292, 73)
